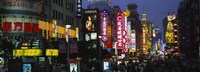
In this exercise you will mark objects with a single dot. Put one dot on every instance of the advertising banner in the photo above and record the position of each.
(73, 45)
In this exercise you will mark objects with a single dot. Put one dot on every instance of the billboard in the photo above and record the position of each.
(90, 19)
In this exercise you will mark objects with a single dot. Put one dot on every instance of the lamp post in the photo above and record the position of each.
(67, 40)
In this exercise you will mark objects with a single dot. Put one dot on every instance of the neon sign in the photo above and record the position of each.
(120, 30)
(104, 26)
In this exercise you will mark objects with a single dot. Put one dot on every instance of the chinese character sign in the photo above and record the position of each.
(120, 31)
(104, 26)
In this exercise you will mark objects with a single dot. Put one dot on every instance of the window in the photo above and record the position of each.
(56, 15)
(62, 16)
(53, 13)
(61, 3)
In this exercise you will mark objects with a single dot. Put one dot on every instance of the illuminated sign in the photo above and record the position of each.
(133, 40)
(121, 33)
(104, 26)
(54, 30)
(27, 68)
(93, 36)
(171, 17)
(51, 52)
(90, 19)
(20, 27)
(27, 52)
(79, 8)
(109, 41)
(90, 11)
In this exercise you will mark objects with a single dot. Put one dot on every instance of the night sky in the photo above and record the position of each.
(156, 10)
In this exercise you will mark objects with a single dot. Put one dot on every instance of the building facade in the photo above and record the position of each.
(135, 25)
(188, 17)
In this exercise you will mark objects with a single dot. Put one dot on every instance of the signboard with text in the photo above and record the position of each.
(104, 26)
(20, 27)
(27, 52)
(120, 31)
(51, 52)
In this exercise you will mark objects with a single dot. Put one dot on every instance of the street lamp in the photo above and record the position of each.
(67, 40)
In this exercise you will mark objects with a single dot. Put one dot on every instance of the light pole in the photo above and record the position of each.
(67, 40)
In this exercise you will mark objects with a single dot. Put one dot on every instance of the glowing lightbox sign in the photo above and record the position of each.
(120, 30)
(104, 26)
(51, 52)
(27, 52)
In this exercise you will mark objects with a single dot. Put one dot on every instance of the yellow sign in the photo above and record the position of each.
(27, 52)
(18, 52)
(51, 52)
(127, 13)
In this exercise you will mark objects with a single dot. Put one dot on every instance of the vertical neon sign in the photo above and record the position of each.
(120, 31)
(104, 26)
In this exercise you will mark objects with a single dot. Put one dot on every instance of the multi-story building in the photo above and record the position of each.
(146, 34)
(189, 30)
(34, 26)
(165, 21)
(20, 26)
(171, 35)
(135, 25)
(100, 4)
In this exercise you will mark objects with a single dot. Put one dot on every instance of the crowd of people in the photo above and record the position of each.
(169, 63)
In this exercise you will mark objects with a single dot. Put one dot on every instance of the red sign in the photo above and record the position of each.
(7, 26)
(120, 30)
(35, 28)
(17, 26)
(27, 27)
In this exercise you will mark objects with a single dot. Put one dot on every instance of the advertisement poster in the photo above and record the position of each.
(90, 19)
(27, 68)
(73, 45)
(73, 66)
(62, 45)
